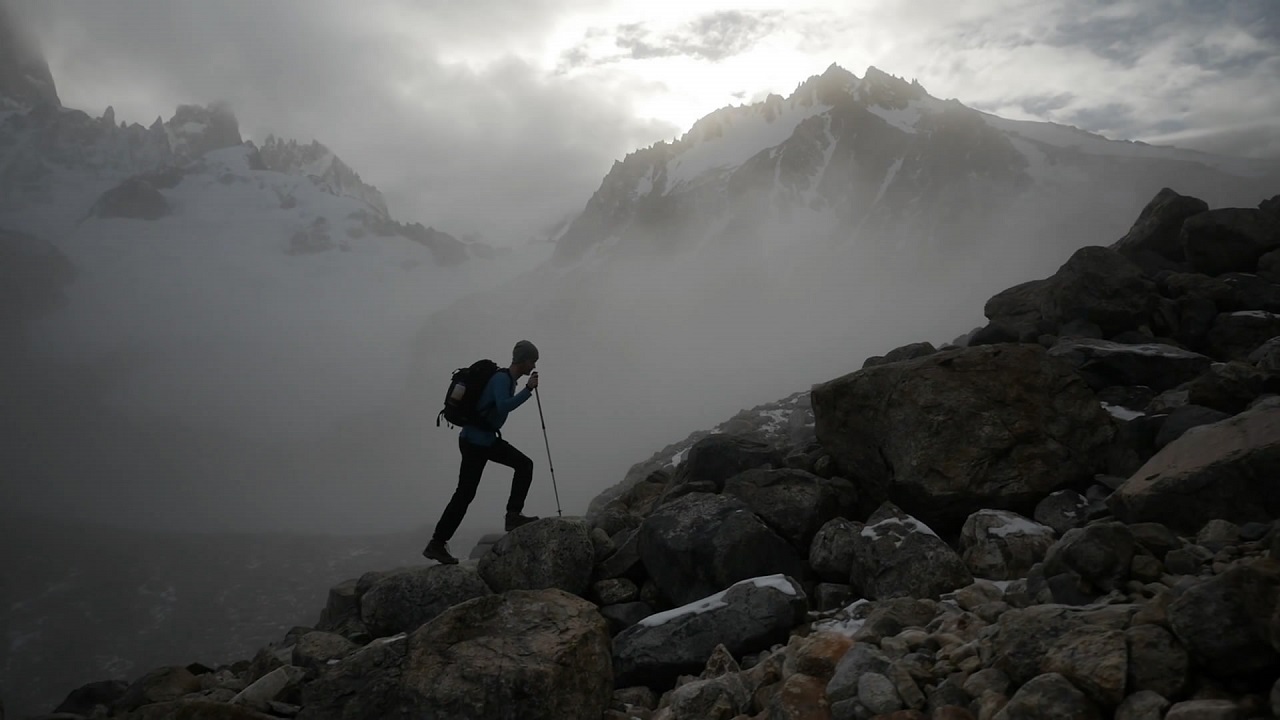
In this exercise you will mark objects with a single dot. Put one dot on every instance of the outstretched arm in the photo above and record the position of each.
(501, 386)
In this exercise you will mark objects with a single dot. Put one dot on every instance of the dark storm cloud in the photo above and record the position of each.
(374, 81)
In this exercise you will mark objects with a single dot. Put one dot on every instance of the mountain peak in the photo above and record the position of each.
(25, 80)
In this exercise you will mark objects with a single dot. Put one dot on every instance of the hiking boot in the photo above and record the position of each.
(439, 551)
(515, 520)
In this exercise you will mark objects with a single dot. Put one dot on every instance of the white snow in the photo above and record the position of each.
(778, 582)
(1257, 314)
(1122, 413)
(888, 178)
(910, 523)
(845, 621)
(904, 119)
(1018, 525)
(746, 133)
(678, 458)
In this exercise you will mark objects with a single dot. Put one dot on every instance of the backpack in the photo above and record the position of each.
(463, 396)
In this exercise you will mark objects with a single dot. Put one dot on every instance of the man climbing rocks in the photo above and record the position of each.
(481, 443)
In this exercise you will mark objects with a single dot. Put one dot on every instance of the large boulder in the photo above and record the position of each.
(895, 555)
(1049, 697)
(133, 198)
(1229, 239)
(1094, 559)
(1096, 285)
(546, 553)
(402, 601)
(1103, 363)
(1024, 637)
(793, 502)
(1236, 335)
(1226, 470)
(1096, 660)
(700, 544)
(1000, 545)
(1232, 386)
(831, 552)
(521, 655)
(1228, 622)
(749, 616)
(1159, 226)
(996, 426)
(716, 458)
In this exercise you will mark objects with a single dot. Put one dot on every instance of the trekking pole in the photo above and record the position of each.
(548, 444)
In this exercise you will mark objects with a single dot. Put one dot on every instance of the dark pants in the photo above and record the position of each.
(474, 458)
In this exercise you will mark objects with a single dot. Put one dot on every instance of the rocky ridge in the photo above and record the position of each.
(1069, 512)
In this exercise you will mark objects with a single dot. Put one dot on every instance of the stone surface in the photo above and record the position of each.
(1049, 697)
(547, 553)
(402, 601)
(895, 555)
(1001, 545)
(1226, 621)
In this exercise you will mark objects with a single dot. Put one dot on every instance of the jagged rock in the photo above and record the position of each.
(1218, 534)
(887, 618)
(402, 601)
(1098, 556)
(159, 685)
(85, 698)
(1224, 470)
(133, 198)
(1229, 239)
(877, 693)
(269, 687)
(906, 352)
(1157, 661)
(1093, 659)
(341, 613)
(699, 544)
(1183, 419)
(895, 555)
(794, 503)
(624, 615)
(625, 559)
(1023, 637)
(1142, 705)
(1049, 697)
(1227, 622)
(1103, 363)
(861, 659)
(716, 458)
(1062, 510)
(1000, 545)
(816, 655)
(1250, 292)
(988, 427)
(315, 650)
(521, 655)
(1096, 285)
(1267, 356)
(1159, 225)
(832, 596)
(1236, 335)
(832, 550)
(719, 698)
(615, 591)
(546, 553)
(749, 616)
(1155, 538)
(1232, 387)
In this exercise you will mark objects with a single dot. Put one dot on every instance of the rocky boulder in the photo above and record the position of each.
(1024, 637)
(794, 503)
(749, 616)
(716, 458)
(895, 555)
(1229, 239)
(1090, 561)
(1159, 226)
(1225, 470)
(831, 552)
(546, 553)
(1229, 622)
(700, 544)
(402, 601)
(519, 655)
(1000, 545)
(996, 426)
(135, 199)
(1103, 363)
(1049, 697)
(1236, 335)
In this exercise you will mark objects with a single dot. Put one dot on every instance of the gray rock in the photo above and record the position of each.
(1158, 227)
(547, 553)
(1228, 239)
(718, 457)
(832, 596)
(1232, 387)
(794, 503)
(85, 698)
(403, 601)
(133, 198)
(1267, 356)
(269, 687)
(1049, 697)
(1062, 510)
(878, 694)
(314, 650)
(615, 591)
(941, 468)
(749, 616)
(160, 685)
(861, 659)
(1218, 534)
(1224, 470)
(832, 549)
(1226, 620)
(1001, 545)
(1155, 538)
(1106, 364)
(1237, 335)
(1157, 661)
(1024, 637)
(1203, 710)
(1183, 419)
(1094, 660)
(987, 679)
(1142, 705)
(1100, 554)
(625, 558)
(895, 555)
(700, 544)
(721, 697)
(624, 615)
(906, 352)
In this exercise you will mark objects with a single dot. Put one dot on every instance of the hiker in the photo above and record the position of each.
(481, 443)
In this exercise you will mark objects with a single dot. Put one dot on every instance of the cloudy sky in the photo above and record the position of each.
(500, 117)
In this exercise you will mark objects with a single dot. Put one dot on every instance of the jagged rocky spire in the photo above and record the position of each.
(25, 80)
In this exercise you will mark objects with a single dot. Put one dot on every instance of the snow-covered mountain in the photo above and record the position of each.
(779, 243)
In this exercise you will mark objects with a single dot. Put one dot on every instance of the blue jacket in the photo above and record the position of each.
(496, 402)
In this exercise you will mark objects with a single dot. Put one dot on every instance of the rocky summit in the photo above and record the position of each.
(1070, 512)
